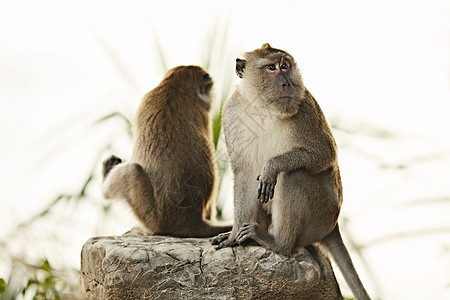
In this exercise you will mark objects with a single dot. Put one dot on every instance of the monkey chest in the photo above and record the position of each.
(254, 139)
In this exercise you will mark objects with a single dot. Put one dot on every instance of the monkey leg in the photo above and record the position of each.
(263, 220)
(264, 238)
(129, 181)
(302, 213)
(247, 208)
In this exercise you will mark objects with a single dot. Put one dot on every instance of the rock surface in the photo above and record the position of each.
(140, 266)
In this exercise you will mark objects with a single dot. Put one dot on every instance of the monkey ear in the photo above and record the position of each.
(205, 85)
(266, 45)
(204, 88)
(240, 66)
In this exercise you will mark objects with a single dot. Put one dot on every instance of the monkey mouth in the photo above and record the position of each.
(284, 100)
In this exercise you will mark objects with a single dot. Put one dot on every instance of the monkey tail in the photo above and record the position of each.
(210, 229)
(334, 244)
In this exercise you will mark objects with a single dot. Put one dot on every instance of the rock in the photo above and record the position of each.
(140, 266)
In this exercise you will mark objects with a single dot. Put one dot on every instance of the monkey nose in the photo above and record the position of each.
(286, 84)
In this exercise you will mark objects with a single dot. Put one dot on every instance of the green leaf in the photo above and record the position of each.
(216, 124)
(46, 266)
(2, 286)
(82, 193)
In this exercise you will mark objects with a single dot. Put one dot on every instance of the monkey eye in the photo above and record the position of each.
(271, 67)
(284, 66)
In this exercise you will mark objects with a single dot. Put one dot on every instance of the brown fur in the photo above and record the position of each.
(169, 181)
(276, 132)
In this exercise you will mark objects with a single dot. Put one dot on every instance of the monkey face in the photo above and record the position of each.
(273, 78)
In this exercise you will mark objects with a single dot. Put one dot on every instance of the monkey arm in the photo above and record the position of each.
(315, 161)
(295, 159)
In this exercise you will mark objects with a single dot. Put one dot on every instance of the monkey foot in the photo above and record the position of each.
(220, 238)
(110, 163)
(227, 243)
(223, 240)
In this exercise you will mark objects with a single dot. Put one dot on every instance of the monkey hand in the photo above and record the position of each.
(267, 181)
(248, 231)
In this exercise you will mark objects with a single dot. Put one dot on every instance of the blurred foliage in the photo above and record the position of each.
(2, 286)
(38, 282)
(45, 284)
(120, 116)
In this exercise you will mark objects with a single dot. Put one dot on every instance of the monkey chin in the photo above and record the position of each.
(285, 107)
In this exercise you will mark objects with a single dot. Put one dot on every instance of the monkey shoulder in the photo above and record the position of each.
(310, 129)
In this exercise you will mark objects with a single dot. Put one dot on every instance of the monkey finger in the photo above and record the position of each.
(272, 191)
(240, 234)
(264, 191)
(243, 236)
(260, 189)
(263, 199)
(242, 230)
(246, 232)
(241, 239)
(268, 194)
(257, 178)
(261, 193)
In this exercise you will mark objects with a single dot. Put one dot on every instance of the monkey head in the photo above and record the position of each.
(271, 76)
(191, 81)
